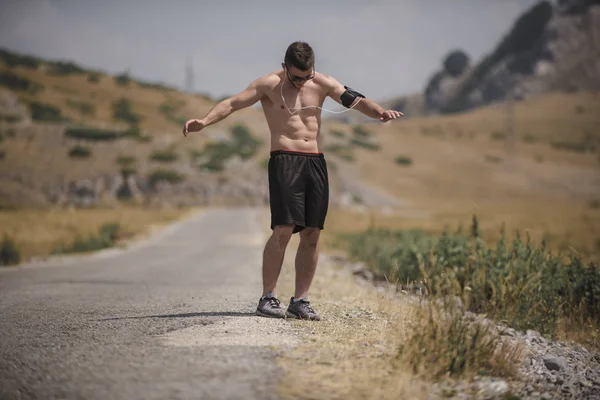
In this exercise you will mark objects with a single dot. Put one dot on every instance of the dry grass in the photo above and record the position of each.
(353, 353)
(37, 232)
(350, 353)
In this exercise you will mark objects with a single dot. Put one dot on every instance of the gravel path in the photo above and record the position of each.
(170, 318)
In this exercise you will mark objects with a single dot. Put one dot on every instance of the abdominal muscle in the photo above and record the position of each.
(298, 132)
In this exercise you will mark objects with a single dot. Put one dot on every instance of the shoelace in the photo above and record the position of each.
(307, 306)
(273, 302)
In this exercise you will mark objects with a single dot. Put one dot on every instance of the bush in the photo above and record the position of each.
(164, 156)
(498, 136)
(122, 79)
(105, 238)
(126, 172)
(215, 155)
(165, 175)
(125, 161)
(522, 284)
(9, 254)
(360, 131)
(92, 134)
(122, 112)
(85, 108)
(15, 82)
(14, 59)
(2, 154)
(337, 133)
(65, 68)
(365, 144)
(45, 112)
(403, 160)
(79, 151)
(94, 77)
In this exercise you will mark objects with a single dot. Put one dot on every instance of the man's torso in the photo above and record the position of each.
(293, 128)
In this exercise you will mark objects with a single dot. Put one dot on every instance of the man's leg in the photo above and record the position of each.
(273, 256)
(269, 305)
(306, 265)
(306, 260)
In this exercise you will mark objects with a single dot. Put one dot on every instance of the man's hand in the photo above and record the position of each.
(193, 125)
(390, 114)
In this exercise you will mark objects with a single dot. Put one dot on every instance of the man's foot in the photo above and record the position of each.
(301, 309)
(270, 307)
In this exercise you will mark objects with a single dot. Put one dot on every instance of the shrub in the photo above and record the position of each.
(165, 175)
(337, 133)
(79, 151)
(522, 284)
(122, 112)
(14, 59)
(85, 108)
(64, 68)
(94, 77)
(498, 135)
(45, 112)
(105, 238)
(9, 254)
(128, 171)
(442, 342)
(360, 131)
(92, 134)
(164, 156)
(579, 147)
(403, 160)
(122, 79)
(125, 161)
(493, 159)
(365, 144)
(15, 82)
(2, 154)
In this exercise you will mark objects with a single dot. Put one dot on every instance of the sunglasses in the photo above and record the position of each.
(295, 78)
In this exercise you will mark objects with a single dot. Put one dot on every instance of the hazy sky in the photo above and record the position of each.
(382, 48)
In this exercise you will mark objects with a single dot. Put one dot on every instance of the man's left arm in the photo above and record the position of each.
(365, 105)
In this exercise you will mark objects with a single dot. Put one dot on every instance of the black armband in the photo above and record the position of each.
(349, 96)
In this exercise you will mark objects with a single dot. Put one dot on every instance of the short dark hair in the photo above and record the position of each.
(300, 55)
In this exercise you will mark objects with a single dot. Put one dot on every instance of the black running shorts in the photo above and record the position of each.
(298, 189)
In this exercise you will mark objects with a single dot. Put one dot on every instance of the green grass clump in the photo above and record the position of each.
(164, 156)
(106, 237)
(214, 155)
(9, 253)
(79, 151)
(520, 283)
(403, 160)
(165, 175)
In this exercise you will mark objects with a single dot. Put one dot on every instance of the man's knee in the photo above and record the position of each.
(282, 235)
(310, 237)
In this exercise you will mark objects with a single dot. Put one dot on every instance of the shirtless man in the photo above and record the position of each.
(291, 99)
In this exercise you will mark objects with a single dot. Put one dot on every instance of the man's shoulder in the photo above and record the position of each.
(269, 80)
(325, 80)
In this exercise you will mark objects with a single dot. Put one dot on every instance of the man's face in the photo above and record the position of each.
(297, 76)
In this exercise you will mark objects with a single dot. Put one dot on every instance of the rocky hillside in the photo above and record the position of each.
(551, 47)
(72, 136)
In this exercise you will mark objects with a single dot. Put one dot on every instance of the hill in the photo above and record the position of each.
(553, 46)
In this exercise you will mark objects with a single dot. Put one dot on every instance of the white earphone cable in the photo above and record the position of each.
(321, 108)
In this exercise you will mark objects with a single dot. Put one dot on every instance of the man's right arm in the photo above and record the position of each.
(224, 108)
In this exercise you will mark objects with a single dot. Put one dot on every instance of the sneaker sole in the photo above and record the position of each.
(262, 314)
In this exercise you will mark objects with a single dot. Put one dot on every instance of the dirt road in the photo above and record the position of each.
(171, 318)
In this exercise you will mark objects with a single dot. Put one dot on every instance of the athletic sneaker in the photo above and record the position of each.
(301, 309)
(270, 307)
